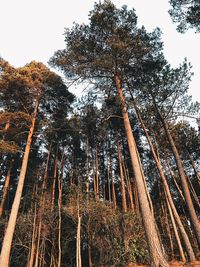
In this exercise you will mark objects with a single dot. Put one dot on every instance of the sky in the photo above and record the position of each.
(33, 30)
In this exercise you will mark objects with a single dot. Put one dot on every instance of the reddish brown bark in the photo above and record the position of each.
(6, 188)
(155, 250)
(8, 237)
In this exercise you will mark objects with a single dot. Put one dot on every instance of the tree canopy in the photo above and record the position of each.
(186, 13)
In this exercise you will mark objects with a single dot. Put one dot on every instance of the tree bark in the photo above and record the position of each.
(8, 237)
(168, 229)
(97, 175)
(87, 174)
(54, 180)
(155, 250)
(167, 190)
(194, 168)
(34, 234)
(181, 171)
(60, 186)
(78, 236)
(130, 193)
(175, 230)
(6, 188)
(193, 192)
(123, 192)
(113, 186)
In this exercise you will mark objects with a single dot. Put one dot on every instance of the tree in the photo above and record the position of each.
(37, 81)
(106, 51)
(186, 13)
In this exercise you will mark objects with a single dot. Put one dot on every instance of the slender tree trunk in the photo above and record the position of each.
(123, 192)
(167, 190)
(52, 261)
(168, 230)
(97, 174)
(182, 255)
(135, 194)
(54, 180)
(78, 237)
(42, 209)
(108, 180)
(155, 250)
(60, 186)
(193, 192)
(60, 195)
(191, 210)
(6, 188)
(113, 186)
(94, 179)
(39, 228)
(87, 174)
(176, 184)
(33, 244)
(130, 193)
(8, 237)
(45, 177)
(194, 168)
(89, 255)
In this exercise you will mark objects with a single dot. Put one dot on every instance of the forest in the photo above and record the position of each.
(109, 177)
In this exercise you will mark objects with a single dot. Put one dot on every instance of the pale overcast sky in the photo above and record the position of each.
(33, 30)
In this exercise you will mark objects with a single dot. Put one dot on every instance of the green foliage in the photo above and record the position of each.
(110, 43)
(115, 239)
(186, 13)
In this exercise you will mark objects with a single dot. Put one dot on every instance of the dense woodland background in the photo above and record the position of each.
(110, 177)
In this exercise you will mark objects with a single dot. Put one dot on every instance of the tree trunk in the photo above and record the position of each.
(6, 188)
(123, 192)
(130, 193)
(54, 180)
(94, 179)
(155, 250)
(60, 186)
(167, 190)
(176, 184)
(8, 237)
(78, 236)
(113, 186)
(194, 168)
(194, 194)
(191, 210)
(168, 229)
(60, 195)
(108, 179)
(97, 175)
(175, 230)
(87, 174)
(89, 255)
(33, 244)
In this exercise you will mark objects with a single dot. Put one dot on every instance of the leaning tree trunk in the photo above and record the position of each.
(8, 237)
(155, 250)
(130, 193)
(180, 247)
(191, 209)
(194, 168)
(167, 190)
